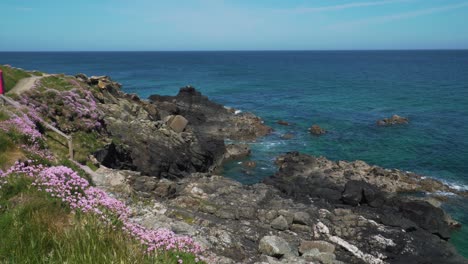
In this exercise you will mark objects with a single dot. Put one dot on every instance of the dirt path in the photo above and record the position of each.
(26, 84)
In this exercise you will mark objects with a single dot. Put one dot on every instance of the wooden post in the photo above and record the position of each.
(70, 147)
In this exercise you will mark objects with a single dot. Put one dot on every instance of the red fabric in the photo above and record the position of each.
(2, 83)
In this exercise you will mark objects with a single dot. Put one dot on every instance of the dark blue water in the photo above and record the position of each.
(345, 92)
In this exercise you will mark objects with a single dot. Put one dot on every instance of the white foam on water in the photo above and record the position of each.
(237, 112)
(441, 193)
(458, 187)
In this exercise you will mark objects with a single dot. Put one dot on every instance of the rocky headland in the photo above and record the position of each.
(168, 151)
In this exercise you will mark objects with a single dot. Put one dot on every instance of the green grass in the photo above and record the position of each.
(9, 153)
(36, 73)
(86, 143)
(12, 76)
(36, 228)
(3, 116)
(59, 83)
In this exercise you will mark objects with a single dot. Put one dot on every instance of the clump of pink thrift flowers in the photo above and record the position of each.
(25, 125)
(71, 110)
(65, 184)
(22, 124)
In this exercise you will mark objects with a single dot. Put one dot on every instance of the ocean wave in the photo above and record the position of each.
(457, 186)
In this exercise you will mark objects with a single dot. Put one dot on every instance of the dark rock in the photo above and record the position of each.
(209, 118)
(283, 123)
(116, 157)
(358, 192)
(426, 216)
(81, 77)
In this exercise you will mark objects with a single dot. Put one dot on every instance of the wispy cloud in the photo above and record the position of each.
(24, 9)
(398, 16)
(341, 7)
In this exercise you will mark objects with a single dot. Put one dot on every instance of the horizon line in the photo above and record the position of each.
(227, 50)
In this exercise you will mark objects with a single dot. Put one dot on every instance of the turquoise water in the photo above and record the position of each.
(344, 92)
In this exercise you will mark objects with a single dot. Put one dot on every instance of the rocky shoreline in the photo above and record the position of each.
(168, 151)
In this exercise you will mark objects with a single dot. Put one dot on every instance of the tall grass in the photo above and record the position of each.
(36, 228)
(12, 76)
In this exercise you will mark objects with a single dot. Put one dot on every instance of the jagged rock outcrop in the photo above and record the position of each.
(260, 224)
(209, 118)
(170, 137)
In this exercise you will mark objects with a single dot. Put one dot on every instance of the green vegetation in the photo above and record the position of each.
(3, 116)
(36, 73)
(9, 153)
(86, 143)
(37, 228)
(12, 76)
(59, 83)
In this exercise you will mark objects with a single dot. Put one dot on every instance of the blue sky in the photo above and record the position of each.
(59, 25)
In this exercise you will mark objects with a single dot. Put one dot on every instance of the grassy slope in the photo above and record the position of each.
(36, 228)
(12, 76)
(9, 152)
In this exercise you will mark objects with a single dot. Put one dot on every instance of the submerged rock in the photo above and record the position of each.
(394, 120)
(249, 164)
(317, 130)
(287, 136)
(236, 151)
(283, 123)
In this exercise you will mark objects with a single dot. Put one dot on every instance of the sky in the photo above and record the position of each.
(154, 25)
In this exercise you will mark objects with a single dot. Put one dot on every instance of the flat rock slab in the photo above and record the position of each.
(178, 123)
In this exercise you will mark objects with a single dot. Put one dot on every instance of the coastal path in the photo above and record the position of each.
(27, 84)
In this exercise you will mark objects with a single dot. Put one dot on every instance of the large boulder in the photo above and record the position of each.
(359, 192)
(177, 123)
(115, 156)
(274, 246)
(427, 216)
(280, 223)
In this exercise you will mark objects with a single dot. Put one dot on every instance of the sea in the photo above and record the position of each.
(344, 92)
